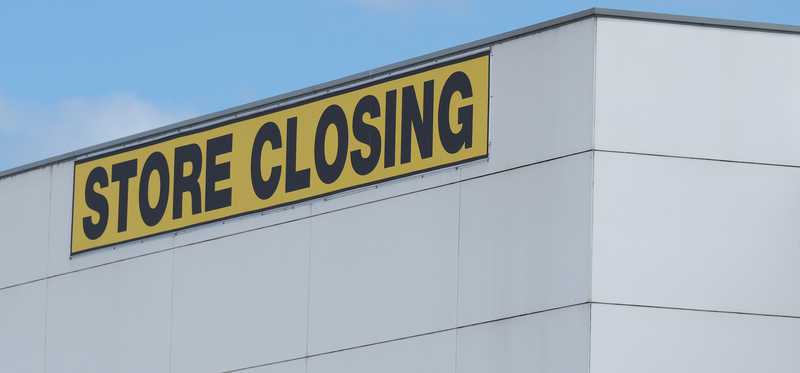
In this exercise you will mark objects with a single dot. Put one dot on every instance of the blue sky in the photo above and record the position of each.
(76, 73)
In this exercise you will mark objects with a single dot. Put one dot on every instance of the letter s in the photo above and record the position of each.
(96, 202)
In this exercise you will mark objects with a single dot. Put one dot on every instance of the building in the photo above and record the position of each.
(635, 209)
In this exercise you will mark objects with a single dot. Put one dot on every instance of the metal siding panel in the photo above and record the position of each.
(243, 223)
(385, 190)
(24, 207)
(696, 91)
(60, 233)
(242, 300)
(555, 341)
(542, 100)
(696, 234)
(384, 270)
(526, 240)
(433, 353)
(22, 328)
(640, 339)
(114, 318)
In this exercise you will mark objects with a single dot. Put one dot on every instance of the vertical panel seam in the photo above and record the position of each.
(47, 266)
(172, 310)
(308, 281)
(458, 280)
(594, 158)
(592, 192)
(594, 81)
(589, 342)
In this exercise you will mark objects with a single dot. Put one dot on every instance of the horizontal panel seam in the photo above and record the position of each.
(439, 331)
(661, 155)
(505, 319)
(706, 310)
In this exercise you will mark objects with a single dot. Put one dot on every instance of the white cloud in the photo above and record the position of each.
(29, 132)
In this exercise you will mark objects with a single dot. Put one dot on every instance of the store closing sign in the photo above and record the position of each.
(398, 126)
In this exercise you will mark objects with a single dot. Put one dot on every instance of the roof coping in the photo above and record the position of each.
(465, 48)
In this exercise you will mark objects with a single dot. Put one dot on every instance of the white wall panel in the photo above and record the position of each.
(114, 318)
(60, 227)
(696, 234)
(698, 91)
(542, 97)
(384, 270)
(241, 301)
(434, 353)
(24, 207)
(641, 339)
(22, 328)
(385, 190)
(242, 223)
(526, 239)
(554, 341)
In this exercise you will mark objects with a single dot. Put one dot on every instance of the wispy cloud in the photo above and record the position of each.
(29, 132)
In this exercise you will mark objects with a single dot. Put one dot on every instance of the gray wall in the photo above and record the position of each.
(696, 246)
(485, 267)
(637, 213)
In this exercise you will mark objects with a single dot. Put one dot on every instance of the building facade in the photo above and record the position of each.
(637, 212)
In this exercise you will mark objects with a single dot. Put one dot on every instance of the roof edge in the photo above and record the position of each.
(408, 63)
(327, 86)
(697, 21)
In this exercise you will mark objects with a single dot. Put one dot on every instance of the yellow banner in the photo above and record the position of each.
(402, 125)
